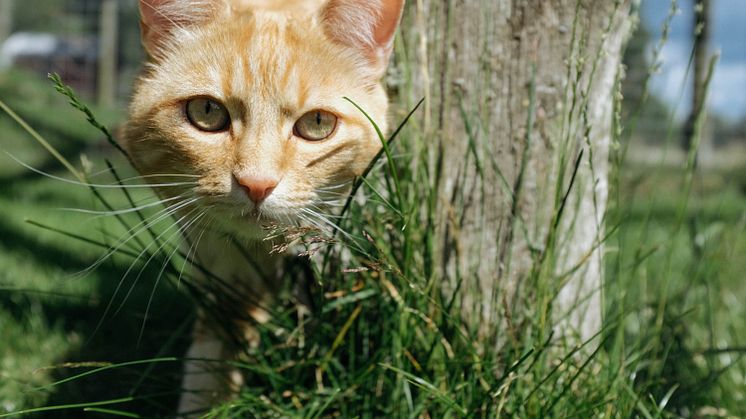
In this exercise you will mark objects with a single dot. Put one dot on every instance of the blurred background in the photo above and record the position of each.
(666, 45)
(94, 45)
(51, 317)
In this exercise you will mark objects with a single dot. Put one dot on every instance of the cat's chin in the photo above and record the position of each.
(251, 226)
(254, 225)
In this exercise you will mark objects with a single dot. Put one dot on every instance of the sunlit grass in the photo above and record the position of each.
(385, 337)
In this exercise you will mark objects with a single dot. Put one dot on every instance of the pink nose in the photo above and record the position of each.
(257, 189)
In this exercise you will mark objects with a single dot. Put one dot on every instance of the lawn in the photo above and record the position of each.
(51, 316)
(675, 324)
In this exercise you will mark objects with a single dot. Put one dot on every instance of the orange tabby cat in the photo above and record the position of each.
(246, 96)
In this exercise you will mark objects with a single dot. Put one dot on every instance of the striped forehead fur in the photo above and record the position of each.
(179, 11)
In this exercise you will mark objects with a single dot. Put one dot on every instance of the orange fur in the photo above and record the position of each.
(268, 62)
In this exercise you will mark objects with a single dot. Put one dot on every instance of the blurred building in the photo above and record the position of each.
(74, 58)
(95, 49)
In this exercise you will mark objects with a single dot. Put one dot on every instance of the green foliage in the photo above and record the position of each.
(45, 15)
(49, 312)
(385, 337)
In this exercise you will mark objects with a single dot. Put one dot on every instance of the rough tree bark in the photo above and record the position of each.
(515, 89)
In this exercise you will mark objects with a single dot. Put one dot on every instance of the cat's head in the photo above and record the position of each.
(246, 98)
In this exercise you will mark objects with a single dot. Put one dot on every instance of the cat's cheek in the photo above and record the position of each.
(282, 205)
(148, 159)
(215, 185)
(364, 155)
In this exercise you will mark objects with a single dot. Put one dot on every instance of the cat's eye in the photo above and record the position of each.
(315, 125)
(207, 114)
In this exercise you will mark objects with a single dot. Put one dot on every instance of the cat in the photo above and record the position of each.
(247, 97)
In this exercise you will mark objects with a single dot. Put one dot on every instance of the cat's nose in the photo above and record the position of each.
(258, 189)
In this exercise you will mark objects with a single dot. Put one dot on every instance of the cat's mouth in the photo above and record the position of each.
(264, 218)
(258, 216)
(249, 223)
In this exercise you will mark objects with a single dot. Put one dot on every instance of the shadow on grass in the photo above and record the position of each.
(114, 339)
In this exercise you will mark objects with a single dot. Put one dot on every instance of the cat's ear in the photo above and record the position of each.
(160, 18)
(366, 25)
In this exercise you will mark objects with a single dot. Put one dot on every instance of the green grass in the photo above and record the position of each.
(679, 267)
(48, 312)
(385, 337)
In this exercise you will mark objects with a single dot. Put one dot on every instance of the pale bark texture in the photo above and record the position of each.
(516, 92)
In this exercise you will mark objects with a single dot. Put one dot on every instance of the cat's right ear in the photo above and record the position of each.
(159, 19)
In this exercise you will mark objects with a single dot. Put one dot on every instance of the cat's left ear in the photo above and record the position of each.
(366, 25)
(160, 18)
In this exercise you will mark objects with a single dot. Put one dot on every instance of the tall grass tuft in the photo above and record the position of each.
(384, 337)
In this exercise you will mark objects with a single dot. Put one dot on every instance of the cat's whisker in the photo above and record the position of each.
(352, 240)
(332, 194)
(333, 187)
(123, 211)
(374, 200)
(312, 222)
(193, 247)
(166, 262)
(342, 201)
(146, 224)
(330, 198)
(150, 197)
(295, 219)
(153, 255)
(162, 214)
(315, 216)
(110, 170)
(132, 265)
(328, 204)
(101, 172)
(165, 212)
(160, 175)
(158, 237)
(95, 185)
(329, 194)
(319, 209)
(99, 185)
(164, 180)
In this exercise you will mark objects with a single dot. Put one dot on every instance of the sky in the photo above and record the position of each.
(727, 96)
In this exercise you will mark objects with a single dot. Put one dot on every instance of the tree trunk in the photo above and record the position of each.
(107, 56)
(6, 19)
(516, 92)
